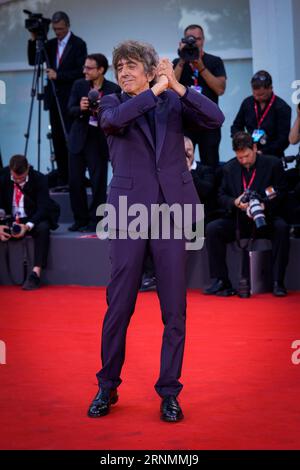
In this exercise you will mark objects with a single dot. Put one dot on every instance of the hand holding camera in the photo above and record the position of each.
(4, 233)
(84, 103)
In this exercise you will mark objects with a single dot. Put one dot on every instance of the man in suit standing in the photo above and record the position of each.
(87, 142)
(24, 195)
(248, 171)
(66, 54)
(144, 129)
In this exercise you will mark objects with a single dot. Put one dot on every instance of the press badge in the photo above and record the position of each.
(197, 88)
(93, 121)
(257, 135)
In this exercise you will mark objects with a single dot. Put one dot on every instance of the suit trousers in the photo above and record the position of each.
(41, 236)
(127, 259)
(59, 143)
(223, 231)
(94, 157)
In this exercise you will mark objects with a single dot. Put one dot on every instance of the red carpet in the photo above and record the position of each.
(241, 388)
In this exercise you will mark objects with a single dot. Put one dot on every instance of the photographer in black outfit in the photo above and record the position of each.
(265, 116)
(66, 54)
(87, 142)
(24, 196)
(263, 174)
(206, 74)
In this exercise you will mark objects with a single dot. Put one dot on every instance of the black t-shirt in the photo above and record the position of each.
(276, 124)
(213, 63)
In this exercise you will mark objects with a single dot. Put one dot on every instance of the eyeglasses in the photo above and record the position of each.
(261, 76)
(87, 67)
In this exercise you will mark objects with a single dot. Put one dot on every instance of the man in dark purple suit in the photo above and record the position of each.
(144, 129)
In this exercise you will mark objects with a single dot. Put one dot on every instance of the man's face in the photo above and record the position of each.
(132, 77)
(262, 95)
(198, 35)
(189, 152)
(60, 29)
(19, 179)
(91, 70)
(246, 156)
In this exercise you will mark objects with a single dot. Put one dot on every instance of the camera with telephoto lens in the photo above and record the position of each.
(13, 227)
(255, 210)
(37, 24)
(94, 99)
(190, 51)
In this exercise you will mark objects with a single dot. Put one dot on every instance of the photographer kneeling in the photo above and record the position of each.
(252, 191)
(24, 195)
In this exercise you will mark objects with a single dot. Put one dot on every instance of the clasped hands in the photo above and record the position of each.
(165, 78)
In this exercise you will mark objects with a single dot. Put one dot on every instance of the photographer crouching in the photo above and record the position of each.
(253, 190)
(26, 208)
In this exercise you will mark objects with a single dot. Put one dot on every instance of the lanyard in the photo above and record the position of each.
(18, 195)
(195, 75)
(259, 121)
(59, 57)
(250, 182)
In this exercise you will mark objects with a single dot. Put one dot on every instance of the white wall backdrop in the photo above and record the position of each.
(102, 24)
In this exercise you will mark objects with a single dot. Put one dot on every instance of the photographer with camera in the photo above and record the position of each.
(206, 74)
(87, 142)
(66, 54)
(252, 192)
(26, 208)
(265, 116)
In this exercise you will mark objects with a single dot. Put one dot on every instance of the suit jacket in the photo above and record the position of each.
(269, 172)
(80, 125)
(141, 166)
(37, 203)
(69, 70)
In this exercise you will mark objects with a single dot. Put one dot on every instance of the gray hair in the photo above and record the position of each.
(140, 51)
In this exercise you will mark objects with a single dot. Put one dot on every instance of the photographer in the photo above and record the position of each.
(206, 74)
(87, 142)
(255, 172)
(24, 197)
(66, 54)
(265, 116)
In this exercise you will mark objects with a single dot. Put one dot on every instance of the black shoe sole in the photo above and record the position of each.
(170, 420)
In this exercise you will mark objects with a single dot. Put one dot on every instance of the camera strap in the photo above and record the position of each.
(260, 121)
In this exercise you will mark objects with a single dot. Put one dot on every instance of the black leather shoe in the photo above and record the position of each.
(221, 288)
(170, 410)
(100, 406)
(76, 227)
(279, 289)
(148, 284)
(244, 289)
(33, 282)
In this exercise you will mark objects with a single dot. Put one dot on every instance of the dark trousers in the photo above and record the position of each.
(208, 141)
(222, 231)
(59, 143)
(127, 259)
(93, 157)
(41, 235)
